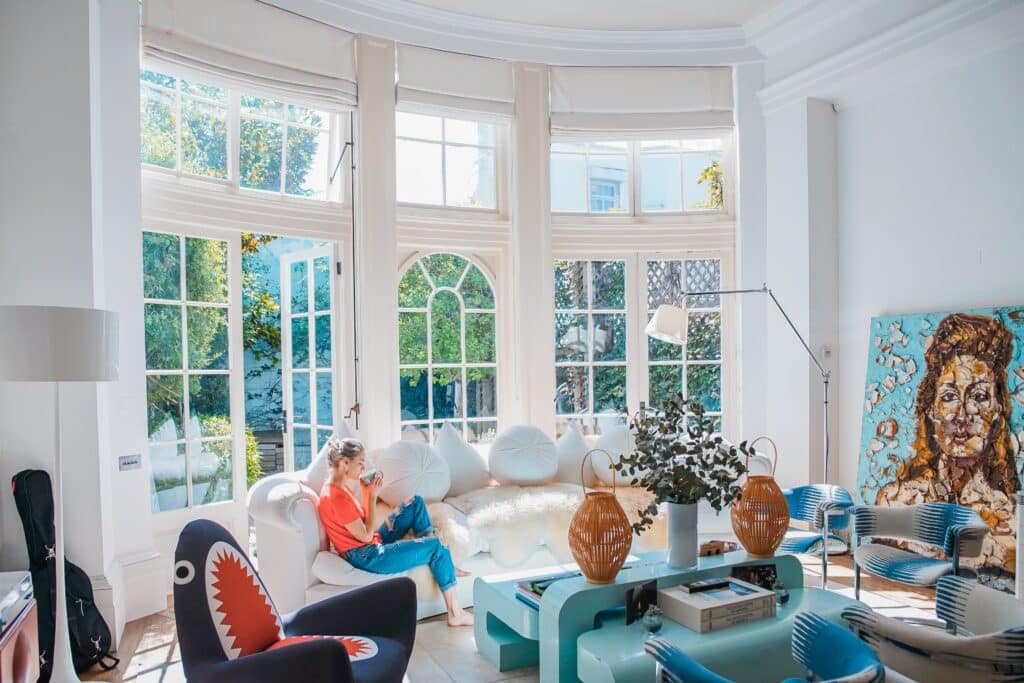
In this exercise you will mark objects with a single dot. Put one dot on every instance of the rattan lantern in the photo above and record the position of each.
(760, 517)
(600, 535)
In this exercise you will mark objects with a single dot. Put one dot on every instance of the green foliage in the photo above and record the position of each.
(680, 460)
(712, 175)
(253, 462)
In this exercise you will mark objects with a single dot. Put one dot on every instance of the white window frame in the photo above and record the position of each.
(626, 194)
(464, 421)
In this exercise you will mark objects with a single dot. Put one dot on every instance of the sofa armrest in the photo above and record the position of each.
(319, 661)
(274, 499)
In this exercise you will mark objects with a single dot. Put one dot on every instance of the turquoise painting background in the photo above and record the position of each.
(895, 367)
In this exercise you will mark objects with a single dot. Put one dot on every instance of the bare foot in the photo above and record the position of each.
(462, 572)
(461, 619)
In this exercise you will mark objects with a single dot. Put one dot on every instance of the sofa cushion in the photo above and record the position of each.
(571, 449)
(468, 468)
(411, 469)
(523, 455)
(617, 441)
(319, 471)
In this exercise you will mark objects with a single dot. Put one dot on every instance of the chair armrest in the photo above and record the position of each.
(679, 665)
(386, 608)
(976, 608)
(967, 538)
(879, 520)
(319, 661)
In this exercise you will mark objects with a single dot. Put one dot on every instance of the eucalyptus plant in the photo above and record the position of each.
(680, 459)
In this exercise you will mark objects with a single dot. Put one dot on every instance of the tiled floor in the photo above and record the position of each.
(149, 650)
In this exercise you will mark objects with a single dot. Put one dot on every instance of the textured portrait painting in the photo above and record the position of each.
(944, 420)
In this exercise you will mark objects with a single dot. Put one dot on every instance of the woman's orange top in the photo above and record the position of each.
(339, 507)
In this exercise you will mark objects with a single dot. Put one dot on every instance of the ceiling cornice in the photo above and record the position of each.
(415, 24)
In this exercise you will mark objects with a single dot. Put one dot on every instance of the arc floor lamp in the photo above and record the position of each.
(58, 344)
(671, 324)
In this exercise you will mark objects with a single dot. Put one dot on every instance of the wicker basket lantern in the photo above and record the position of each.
(760, 517)
(600, 535)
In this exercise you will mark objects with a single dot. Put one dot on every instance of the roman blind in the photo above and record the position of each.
(432, 81)
(639, 102)
(258, 48)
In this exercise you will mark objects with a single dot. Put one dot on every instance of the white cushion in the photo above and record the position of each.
(410, 469)
(319, 471)
(523, 455)
(571, 447)
(618, 441)
(468, 468)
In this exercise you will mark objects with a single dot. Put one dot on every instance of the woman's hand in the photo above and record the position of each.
(375, 485)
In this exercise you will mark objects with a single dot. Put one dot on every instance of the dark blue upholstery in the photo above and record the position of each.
(231, 649)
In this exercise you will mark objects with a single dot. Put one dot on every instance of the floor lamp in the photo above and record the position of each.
(671, 324)
(58, 344)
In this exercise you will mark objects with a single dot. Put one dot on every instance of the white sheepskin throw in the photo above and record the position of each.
(523, 455)
(468, 468)
(411, 469)
(319, 471)
(571, 447)
(618, 441)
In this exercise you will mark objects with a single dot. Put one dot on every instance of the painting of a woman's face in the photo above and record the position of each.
(965, 407)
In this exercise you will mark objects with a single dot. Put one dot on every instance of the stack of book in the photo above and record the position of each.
(712, 605)
(531, 591)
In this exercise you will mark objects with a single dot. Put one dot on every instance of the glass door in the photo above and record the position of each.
(308, 341)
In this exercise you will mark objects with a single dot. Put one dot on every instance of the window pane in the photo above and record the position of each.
(482, 432)
(664, 382)
(704, 339)
(608, 187)
(609, 337)
(163, 337)
(167, 462)
(659, 146)
(416, 432)
(300, 342)
(446, 328)
(158, 123)
(606, 147)
(568, 183)
(572, 389)
(308, 117)
(702, 181)
(204, 138)
(262, 107)
(417, 126)
(413, 386)
(412, 338)
(323, 341)
(476, 290)
(664, 283)
(469, 177)
(480, 338)
(158, 78)
(469, 132)
(704, 275)
(301, 439)
(322, 283)
(307, 171)
(165, 402)
(579, 147)
(659, 350)
(418, 172)
(571, 339)
(322, 435)
(571, 285)
(211, 471)
(609, 284)
(414, 290)
(300, 293)
(660, 183)
(445, 269)
(209, 405)
(161, 266)
(207, 338)
(481, 392)
(448, 393)
(704, 385)
(259, 155)
(324, 398)
(300, 397)
(610, 389)
(206, 270)
(210, 92)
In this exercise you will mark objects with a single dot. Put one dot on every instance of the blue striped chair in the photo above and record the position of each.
(829, 652)
(991, 648)
(825, 508)
(956, 530)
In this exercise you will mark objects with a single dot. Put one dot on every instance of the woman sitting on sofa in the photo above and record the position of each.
(348, 511)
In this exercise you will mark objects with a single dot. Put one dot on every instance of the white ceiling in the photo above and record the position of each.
(610, 14)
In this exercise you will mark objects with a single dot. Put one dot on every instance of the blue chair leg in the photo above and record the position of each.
(824, 552)
(856, 580)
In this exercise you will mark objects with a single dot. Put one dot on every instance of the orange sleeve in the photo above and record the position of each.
(337, 509)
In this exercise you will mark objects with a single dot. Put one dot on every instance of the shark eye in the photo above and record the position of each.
(184, 572)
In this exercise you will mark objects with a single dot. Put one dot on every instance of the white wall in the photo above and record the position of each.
(931, 211)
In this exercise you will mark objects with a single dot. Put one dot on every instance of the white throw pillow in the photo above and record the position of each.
(319, 471)
(523, 455)
(409, 469)
(468, 468)
(618, 441)
(571, 447)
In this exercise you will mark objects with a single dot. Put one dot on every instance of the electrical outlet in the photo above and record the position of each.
(132, 461)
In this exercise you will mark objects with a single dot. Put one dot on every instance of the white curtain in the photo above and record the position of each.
(432, 81)
(258, 48)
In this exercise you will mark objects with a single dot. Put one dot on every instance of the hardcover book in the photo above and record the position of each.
(737, 603)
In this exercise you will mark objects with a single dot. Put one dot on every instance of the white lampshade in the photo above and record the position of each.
(669, 324)
(57, 344)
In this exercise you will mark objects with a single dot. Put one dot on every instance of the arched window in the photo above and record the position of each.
(447, 355)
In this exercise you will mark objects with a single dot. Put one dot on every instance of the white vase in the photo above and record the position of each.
(682, 535)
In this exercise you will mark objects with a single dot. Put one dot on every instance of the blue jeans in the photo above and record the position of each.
(394, 555)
